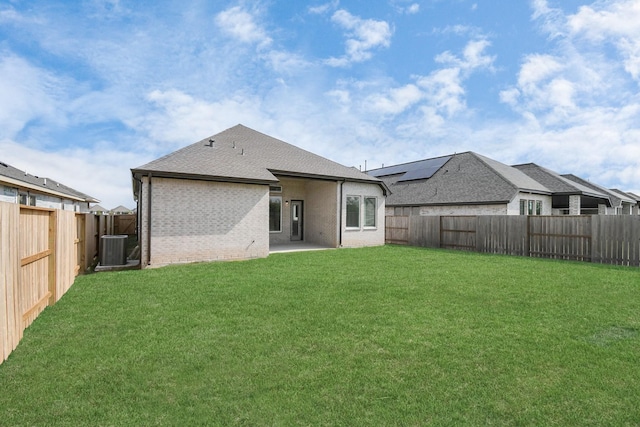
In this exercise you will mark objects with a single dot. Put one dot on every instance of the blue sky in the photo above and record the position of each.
(90, 89)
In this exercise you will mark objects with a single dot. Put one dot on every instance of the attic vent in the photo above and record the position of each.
(210, 144)
(275, 188)
(4, 164)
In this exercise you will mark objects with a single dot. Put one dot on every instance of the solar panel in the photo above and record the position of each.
(422, 169)
(391, 170)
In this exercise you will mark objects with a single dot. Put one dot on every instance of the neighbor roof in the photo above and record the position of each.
(626, 197)
(241, 154)
(615, 196)
(635, 196)
(464, 178)
(19, 178)
(557, 183)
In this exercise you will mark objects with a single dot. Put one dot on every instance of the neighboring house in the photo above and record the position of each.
(621, 203)
(636, 208)
(238, 193)
(121, 210)
(98, 210)
(462, 184)
(17, 186)
(569, 197)
(628, 201)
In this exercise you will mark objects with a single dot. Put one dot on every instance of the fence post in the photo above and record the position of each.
(53, 230)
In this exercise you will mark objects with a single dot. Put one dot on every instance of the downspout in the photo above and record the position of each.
(149, 223)
(138, 210)
(340, 217)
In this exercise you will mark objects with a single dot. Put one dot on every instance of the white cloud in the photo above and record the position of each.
(242, 25)
(614, 22)
(444, 90)
(177, 118)
(99, 171)
(439, 94)
(323, 8)
(363, 35)
(397, 100)
(28, 93)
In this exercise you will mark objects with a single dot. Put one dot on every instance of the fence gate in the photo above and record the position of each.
(124, 224)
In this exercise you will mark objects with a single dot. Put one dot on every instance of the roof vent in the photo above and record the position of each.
(210, 144)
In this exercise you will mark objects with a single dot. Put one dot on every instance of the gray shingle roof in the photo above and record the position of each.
(245, 155)
(558, 184)
(466, 178)
(625, 197)
(615, 197)
(45, 185)
(635, 196)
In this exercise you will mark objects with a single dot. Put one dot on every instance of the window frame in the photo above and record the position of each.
(531, 207)
(352, 216)
(374, 215)
(271, 199)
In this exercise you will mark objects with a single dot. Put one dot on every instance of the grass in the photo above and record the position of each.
(377, 336)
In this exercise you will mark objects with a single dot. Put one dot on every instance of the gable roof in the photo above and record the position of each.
(464, 178)
(97, 208)
(120, 208)
(625, 197)
(18, 178)
(559, 184)
(241, 154)
(616, 196)
(635, 196)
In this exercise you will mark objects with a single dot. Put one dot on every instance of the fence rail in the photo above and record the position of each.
(41, 253)
(594, 238)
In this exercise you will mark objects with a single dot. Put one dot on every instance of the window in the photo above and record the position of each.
(27, 199)
(370, 211)
(275, 214)
(353, 211)
(275, 188)
(530, 207)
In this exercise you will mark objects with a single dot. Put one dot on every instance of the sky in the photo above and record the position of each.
(90, 89)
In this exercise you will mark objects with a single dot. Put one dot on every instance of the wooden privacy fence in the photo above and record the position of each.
(41, 253)
(596, 238)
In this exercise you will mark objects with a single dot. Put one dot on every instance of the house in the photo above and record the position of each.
(569, 197)
(98, 210)
(621, 203)
(17, 186)
(462, 184)
(240, 192)
(120, 210)
(636, 208)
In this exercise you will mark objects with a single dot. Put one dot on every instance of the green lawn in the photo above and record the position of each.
(353, 337)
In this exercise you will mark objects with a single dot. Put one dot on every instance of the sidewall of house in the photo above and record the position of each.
(363, 236)
(514, 206)
(320, 210)
(195, 221)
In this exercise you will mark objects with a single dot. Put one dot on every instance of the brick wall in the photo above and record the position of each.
(204, 221)
(363, 236)
(322, 213)
(320, 210)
